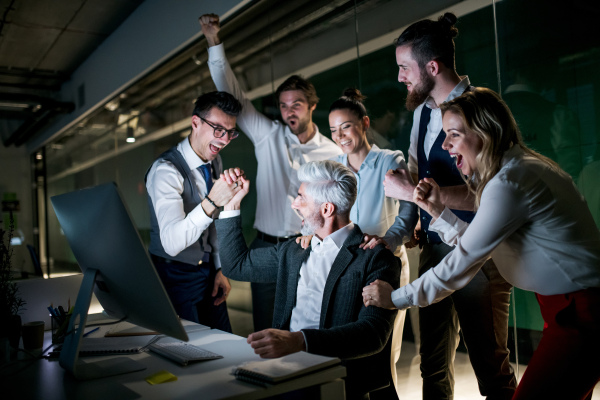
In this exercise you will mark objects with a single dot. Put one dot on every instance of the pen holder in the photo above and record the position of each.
(59, 328)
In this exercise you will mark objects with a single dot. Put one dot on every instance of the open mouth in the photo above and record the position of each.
(215, 148)
(345, 142)
(459, 159)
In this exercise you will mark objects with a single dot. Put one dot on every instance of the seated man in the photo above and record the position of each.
(318, 303)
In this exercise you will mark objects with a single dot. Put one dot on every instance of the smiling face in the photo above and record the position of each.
(312, 220)
(418, 83)
(203, 140)
(461, 142)
(348, 131)
(295, 111)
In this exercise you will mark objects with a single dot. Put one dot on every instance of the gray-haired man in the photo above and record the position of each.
(318, 305)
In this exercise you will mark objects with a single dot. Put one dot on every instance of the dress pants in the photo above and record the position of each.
(480, 309)
(263, 296)
(565, 364)
(190, 289)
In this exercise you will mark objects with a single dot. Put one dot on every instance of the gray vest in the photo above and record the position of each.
(191, 198)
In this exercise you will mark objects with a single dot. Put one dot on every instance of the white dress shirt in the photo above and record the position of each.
(177, 230)
(278, 151)
(306, 314)
(535, 225)
(434, 128)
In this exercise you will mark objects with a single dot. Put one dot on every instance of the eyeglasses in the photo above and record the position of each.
(219, 131)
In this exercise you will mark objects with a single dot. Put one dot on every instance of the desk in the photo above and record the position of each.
(46, 380)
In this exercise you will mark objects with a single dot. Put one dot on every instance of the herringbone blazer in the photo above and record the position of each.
(347, 329)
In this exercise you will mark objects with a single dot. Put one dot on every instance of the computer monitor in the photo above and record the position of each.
(117, 268)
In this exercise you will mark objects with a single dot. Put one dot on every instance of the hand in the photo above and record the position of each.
(210, 28)
(221, 282)
(232, 175)
(222, 192)
(273, 343)
(379, 294)
(370, 241)
(415, 239)
(398, 184)
(236, 200)
(427, 196)
(304, 241)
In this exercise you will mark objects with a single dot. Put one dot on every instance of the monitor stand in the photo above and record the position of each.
(69, 354)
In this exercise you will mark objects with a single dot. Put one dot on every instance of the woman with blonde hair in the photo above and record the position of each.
(538, 229)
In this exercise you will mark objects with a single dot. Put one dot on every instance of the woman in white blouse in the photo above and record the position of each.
(534, 223)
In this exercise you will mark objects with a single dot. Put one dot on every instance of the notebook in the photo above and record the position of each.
(269, 372)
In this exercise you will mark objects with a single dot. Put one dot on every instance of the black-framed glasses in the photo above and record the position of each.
(219, 131)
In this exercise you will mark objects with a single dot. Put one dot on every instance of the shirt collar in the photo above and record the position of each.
(314, 142)
(370, 160)
(337, 238)
(457, 91)
(190, 156)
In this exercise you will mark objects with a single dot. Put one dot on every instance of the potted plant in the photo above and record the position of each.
(10, 301)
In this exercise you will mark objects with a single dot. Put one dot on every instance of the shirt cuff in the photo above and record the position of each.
(216, 53)
(199, 218)
(400, 299)
(448, 226)
(229, 214)
(305, 342)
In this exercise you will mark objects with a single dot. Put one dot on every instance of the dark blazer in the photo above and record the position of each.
(348, 330)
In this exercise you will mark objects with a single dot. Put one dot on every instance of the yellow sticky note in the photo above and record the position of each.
(161, 377)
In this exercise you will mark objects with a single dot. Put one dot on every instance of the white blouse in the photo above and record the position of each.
(532, 221)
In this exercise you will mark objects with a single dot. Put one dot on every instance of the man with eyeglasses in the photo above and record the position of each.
(186, 187)
(280, 149)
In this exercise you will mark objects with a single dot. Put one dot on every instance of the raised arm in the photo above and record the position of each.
(254, 124)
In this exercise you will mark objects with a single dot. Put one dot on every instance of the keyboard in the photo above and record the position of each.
(182, 352)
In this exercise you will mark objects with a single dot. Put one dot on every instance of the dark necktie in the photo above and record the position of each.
(206, 173)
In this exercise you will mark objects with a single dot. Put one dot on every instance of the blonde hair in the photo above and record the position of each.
(487, 115)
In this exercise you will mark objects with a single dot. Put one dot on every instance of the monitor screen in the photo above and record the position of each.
(107, 245)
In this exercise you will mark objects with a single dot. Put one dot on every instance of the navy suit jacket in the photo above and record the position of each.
(347, 329)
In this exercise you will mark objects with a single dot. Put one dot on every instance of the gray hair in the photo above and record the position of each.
(329, 182)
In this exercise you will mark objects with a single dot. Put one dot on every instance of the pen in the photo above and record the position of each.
(93, 330)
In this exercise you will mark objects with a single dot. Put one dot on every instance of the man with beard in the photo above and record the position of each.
(318, 305)
(280, 150)
(425, 57)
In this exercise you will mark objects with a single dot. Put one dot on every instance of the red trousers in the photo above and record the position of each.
(566, 364)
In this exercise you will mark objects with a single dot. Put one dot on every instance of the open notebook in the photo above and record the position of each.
(269, 372)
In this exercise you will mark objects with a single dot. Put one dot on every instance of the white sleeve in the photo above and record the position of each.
(177, 230)
(504, 209)
(449, 227)
(254, 124)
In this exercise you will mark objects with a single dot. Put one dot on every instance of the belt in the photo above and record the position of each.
(274, 239)
(205, 259)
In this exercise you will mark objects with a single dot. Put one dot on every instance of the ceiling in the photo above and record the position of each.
(41, 44)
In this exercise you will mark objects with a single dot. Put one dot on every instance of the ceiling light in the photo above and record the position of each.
(130, 137)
